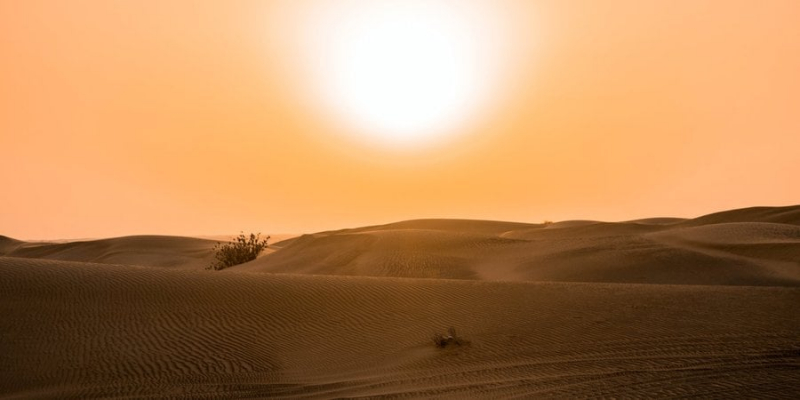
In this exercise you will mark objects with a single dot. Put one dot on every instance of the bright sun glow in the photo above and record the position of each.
(402, 73)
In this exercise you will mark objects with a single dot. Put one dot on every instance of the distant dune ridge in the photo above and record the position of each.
(756, 246)
(658, 307)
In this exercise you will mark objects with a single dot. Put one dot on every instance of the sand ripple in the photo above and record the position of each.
(73, 329)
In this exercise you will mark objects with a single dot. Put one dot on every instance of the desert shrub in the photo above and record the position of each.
(238, 251)
(451, 339)
(547, 222)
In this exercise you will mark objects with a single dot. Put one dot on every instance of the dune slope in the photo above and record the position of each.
(72, 329)
(154, 251)
(7, 244)
(658, 307)
(757, 246)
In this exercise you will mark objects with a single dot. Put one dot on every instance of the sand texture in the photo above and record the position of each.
(757, 246)
(659, 307)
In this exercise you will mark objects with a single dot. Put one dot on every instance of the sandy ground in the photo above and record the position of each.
(660, 307)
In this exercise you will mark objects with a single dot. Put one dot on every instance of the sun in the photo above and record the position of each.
(401, 73)
(404, 72)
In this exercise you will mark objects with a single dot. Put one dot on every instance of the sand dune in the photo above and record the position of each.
(84, 330)
(782, 215)
(7, 244)
(758, 246)
(154, 251)
(659, 221)
(648, 308)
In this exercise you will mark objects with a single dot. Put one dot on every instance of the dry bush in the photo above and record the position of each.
(240, 250)
(451, 339)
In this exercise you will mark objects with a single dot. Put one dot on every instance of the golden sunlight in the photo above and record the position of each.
(402, 74)
(433, 198)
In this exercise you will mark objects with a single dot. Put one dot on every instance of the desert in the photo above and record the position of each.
(435, 199)
(649, 308)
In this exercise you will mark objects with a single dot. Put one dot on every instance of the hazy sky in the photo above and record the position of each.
(208, 117)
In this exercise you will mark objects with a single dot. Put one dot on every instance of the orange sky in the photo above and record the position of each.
(183, 117)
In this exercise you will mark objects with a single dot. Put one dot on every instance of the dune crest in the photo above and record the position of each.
(750, 247)
(154, 251)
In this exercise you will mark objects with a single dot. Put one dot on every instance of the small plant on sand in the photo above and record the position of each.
(451, 339)
(547, 222)
(238, 251)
